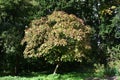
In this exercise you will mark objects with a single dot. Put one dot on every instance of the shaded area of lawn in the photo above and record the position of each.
(65, 72)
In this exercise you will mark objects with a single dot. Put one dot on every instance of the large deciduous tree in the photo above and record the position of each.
(59, 37)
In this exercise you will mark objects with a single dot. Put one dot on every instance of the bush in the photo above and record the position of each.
(113, 68)
(99, 70)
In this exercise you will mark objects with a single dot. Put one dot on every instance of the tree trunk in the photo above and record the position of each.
(56, 68)
(16, 65)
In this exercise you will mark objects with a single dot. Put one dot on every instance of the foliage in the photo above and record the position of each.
(99, 70)
(14, 15)
(14, 11)
(9, 44)
(12, 49)
(113, 68)
(60, 35)
(109, 33)
(110, 37)
(107, 71)
(102, 15)
(110, 72)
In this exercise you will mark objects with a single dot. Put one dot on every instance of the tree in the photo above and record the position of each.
(14, 15)
(110, 33)
(12, 50)
(59, 37)
(102, 13)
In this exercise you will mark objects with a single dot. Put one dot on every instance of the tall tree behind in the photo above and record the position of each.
(13, 18)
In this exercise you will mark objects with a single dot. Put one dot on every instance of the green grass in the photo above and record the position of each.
(68, 76)
(41, 76)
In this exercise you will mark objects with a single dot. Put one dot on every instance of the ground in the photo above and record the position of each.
(65, 76)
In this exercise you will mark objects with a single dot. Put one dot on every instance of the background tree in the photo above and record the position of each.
(12, 50)
(110, 33)
(13, 18)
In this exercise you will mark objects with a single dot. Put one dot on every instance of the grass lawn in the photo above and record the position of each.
(40, 76)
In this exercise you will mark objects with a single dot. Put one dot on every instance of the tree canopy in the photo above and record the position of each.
(61, 35)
